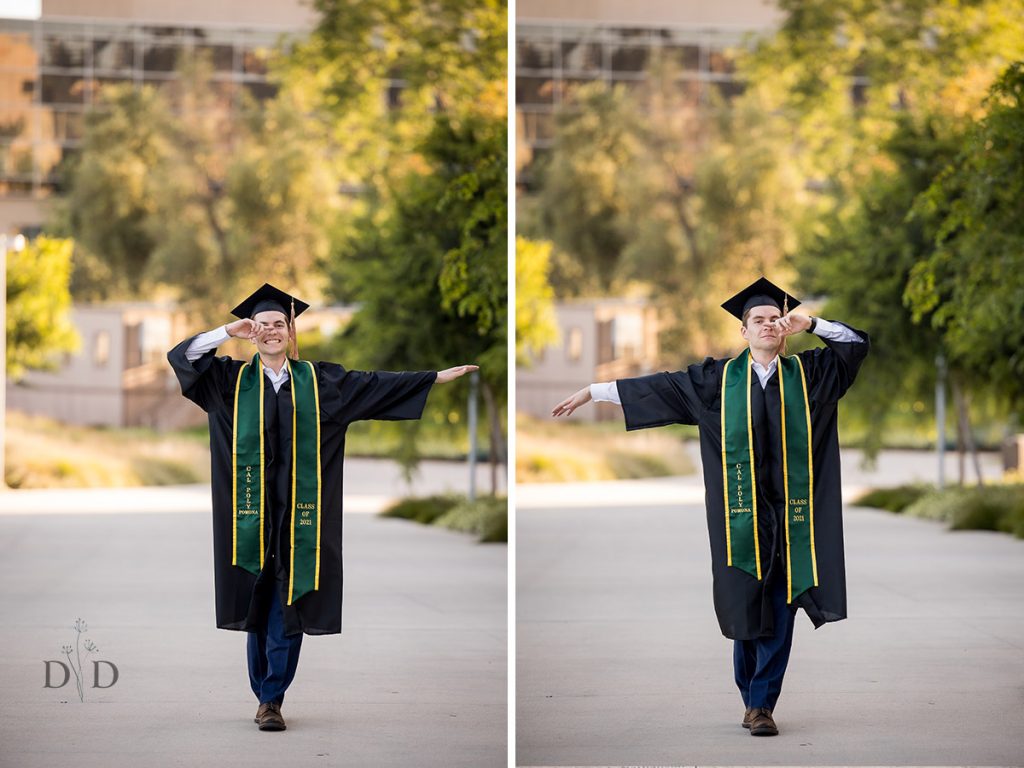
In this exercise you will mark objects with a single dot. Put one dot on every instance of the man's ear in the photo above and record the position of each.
(743, 330)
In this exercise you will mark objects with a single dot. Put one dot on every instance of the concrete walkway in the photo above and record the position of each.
(418, 677)
(892, 468)
(370, 485)
(620, 659)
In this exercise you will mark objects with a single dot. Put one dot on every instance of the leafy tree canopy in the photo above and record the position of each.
(38, 305)
(536, 326)
(969, 283)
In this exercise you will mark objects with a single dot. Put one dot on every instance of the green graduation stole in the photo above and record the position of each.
(248, 495)
(740, 484)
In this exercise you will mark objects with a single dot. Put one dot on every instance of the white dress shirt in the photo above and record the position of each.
(204, 342)
(608, 392)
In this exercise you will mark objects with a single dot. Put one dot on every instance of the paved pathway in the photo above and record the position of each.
(370, 485)
(891, 468)
(620, 660)
(417, 678)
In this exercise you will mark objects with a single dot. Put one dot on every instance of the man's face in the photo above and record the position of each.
(273, 338)
(759, 330)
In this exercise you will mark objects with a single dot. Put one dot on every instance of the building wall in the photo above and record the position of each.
(598, 341)
(554, 374)
(235, 13)
(655, 13)
(565, 44)
(87, 388)
(53, 70)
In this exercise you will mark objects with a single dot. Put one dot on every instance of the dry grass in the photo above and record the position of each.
(549, 451)
(42, 453)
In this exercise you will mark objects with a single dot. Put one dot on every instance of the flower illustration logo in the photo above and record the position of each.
(74, 653)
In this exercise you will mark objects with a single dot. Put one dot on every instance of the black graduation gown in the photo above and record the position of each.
(345, 397)
(694, 396)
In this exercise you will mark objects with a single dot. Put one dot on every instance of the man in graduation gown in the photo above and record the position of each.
(277, 442)
(770, 453)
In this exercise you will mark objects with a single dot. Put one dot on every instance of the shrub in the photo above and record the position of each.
(487, 517)
(985, 508)
(423, 509)
(895, 499)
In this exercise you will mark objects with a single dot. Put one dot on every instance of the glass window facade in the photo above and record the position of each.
(52, 73)
(554, 60)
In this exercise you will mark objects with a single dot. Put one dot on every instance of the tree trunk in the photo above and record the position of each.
(965, 440)
(959, 442)
(684, 190)
(957, 397)
(496, 435)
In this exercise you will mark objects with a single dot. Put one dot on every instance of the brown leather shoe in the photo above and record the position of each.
(762, 724)
(269, 718)
(747, 717)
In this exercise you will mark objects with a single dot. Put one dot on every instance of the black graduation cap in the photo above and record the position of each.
(269, 298)
(759, 293)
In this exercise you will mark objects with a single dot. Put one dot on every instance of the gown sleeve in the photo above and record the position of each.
(832, 369)
(208, 381)
(349, 396)
(668, 398)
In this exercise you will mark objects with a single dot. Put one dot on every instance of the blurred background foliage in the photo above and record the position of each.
(342, 188)
(38, 329)
(871, 164)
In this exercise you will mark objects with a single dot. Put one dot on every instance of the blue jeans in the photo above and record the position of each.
(760, 664)
(273, 656)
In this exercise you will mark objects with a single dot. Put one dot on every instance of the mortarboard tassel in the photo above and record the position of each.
(293, 338)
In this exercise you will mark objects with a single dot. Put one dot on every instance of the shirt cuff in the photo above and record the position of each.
(204, 342)
(605, 392)
(835, 331)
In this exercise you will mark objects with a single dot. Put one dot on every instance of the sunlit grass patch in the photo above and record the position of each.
(42, 453)
(549, 451)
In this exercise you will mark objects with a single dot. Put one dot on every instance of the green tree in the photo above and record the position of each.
(109, 201)
(172, 184)
(375, 74)
(861, 259)
(847, 74)
(429, 271)
(38, 304)
(536, 326)
(581, 207)
(969, 282)
(632, 207)
(413, 100)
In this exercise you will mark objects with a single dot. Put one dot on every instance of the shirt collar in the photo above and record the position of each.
(275, 376)
(765, 368)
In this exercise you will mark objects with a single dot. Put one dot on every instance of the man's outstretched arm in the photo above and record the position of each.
(451, 374)
(603, 392)
(385, 395)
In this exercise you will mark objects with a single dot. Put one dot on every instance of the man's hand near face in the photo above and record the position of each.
(246, 329)
(791, 323)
